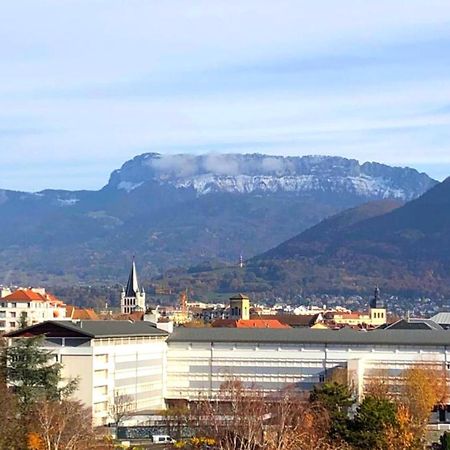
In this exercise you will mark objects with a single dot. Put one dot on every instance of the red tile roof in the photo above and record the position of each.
(28, 295)
(252, 323)
(81, 313)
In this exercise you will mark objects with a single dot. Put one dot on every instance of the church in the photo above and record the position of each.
(132, 298)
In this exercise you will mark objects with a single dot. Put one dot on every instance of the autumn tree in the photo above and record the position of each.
(422, 388)
(295, 423)
(400, 435)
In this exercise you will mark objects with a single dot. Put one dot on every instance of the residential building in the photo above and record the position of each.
(29, 306)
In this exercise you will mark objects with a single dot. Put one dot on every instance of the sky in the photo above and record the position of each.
(87, 84)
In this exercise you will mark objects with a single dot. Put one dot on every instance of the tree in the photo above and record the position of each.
(445, 441)
(120, 407)
(296, 424)
(400, 436)
(12, 429)
(234, 418)
(336, 399)
(60, 425)
(34, 374)
(372, 419)
(23, 322)
(423, 387)
(177, 419)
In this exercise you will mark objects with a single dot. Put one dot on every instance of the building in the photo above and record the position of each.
(251, 323)
(137, 359)
(239, 307)
(201, 360)
(443, 319)
(111, 358)
(28, 307)
(374, 317)
(132, 298)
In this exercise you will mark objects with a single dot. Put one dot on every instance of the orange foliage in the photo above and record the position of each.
(34, 442)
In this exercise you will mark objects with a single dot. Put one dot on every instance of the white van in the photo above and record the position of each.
(162, 439)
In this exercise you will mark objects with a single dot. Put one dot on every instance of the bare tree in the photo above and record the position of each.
(234, 418)
(296, 424)
(60, 425)
(121, 406)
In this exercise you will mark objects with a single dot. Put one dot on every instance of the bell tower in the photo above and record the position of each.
(240, 307)
(132, 298)
(377, 309)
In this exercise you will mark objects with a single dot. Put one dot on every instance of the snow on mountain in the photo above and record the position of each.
(256, 173)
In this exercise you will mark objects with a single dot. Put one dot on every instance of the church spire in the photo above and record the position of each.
(132, 286)
(132, 298)
(377, 302)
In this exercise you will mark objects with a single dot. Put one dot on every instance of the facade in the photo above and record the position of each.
(29, 306)
(201, 360)
(155, 369)
(112, 359)
(132, 298)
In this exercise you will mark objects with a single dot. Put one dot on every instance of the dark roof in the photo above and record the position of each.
(311, 336)
(414, 324)
(93, 328)
(239, 297)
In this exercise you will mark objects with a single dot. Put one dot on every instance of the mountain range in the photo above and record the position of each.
(184, 210)
(402, 247)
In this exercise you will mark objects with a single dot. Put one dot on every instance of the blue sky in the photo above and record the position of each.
(86, 85)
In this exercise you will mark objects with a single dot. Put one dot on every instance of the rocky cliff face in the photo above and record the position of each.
(246, 174)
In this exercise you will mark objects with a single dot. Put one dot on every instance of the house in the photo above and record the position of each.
(29, 306)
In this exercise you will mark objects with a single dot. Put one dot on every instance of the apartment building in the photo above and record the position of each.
(111, 359)
(29, 306)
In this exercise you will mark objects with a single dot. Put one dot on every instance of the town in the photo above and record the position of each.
(143, 360)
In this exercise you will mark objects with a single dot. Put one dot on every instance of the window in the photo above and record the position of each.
(101, 359)
(13, 314)
(2, 314)
(12, 324)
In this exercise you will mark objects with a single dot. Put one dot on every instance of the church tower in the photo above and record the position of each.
(132, 298)
(377, 309)
(239, 307)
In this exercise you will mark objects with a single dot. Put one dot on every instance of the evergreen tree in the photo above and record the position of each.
(34, 374)
(445, 441)
(368, 427)
(337, 399)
